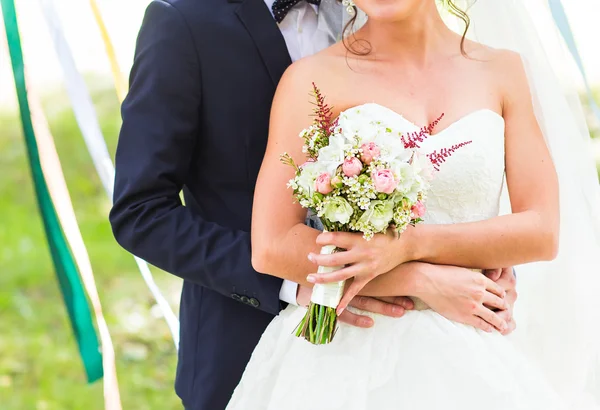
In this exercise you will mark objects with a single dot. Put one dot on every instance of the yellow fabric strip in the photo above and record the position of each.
(62, 201)
(119, 79)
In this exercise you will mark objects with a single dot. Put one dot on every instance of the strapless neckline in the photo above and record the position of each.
(464, 118)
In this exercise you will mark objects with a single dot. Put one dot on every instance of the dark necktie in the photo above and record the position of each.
(282, 7)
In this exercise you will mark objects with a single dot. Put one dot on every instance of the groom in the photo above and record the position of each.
(196, 119)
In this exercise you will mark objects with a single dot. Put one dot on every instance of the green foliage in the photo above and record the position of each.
(39, 363)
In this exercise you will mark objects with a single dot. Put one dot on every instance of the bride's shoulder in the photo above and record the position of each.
(505, 70)
(319, 69)
(493, 57)
(504, 67)
(498, 61)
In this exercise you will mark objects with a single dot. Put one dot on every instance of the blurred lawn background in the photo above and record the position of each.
(39, 364)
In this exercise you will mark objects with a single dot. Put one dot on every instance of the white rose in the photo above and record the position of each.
(337, 209)
(379, 215)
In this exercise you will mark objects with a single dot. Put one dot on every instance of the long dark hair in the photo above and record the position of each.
(362, 47)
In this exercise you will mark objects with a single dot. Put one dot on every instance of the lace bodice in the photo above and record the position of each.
(469, 184)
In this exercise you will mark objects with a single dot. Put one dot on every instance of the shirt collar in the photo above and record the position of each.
(269, 4)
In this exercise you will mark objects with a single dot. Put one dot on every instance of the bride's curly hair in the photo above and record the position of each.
(362, 47)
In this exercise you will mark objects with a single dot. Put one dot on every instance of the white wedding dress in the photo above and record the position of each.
(421, 361)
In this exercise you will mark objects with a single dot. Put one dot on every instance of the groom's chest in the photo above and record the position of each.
(243, 54)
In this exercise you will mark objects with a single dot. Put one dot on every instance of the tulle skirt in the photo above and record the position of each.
(421, 361)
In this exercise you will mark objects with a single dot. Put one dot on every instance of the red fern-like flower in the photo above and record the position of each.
(322, 111)
(438, 158)
(413, 139)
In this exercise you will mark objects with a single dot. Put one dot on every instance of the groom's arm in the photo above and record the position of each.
(154, 154)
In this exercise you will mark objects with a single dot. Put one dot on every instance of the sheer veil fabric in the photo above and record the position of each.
(558, 310)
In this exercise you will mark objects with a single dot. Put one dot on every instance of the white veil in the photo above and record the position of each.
(558, 309)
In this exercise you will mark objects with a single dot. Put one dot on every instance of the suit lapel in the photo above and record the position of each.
(261, 25)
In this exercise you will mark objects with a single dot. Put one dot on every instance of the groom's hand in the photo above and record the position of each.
(391, 306)
(507, 280)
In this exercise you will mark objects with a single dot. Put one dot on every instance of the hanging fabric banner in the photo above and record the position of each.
(61, 199)
(66, 270)
(562, 22)
(87, 120)
(119, 80)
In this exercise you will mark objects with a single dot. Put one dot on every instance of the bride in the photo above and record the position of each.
(404, 68)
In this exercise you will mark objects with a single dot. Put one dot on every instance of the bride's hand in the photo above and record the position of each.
(465, 296)
(363, 260)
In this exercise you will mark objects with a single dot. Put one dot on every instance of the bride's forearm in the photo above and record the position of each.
(285, 256)
(501, 241)
(401, 281)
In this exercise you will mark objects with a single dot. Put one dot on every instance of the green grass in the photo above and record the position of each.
(39, 364)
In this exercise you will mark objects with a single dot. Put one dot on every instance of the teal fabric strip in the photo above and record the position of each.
(66, 269)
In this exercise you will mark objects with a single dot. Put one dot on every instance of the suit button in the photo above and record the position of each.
(254, 302)
(245, 300)
(235, 296)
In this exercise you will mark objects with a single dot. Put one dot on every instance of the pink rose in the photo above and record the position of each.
(384, 181)
(323, 184)
(370, 151)
(352, 167)
(418, 210)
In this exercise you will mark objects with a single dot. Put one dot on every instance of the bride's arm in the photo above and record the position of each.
(280, 240)
(530, 233)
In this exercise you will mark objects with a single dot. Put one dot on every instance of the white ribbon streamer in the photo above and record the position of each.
(61, 199)
(328, 294)
(87, 120)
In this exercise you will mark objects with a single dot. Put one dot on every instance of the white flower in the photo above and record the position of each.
(405, 175)
(337, 209)
(410, 183)
(423, 166)
(413, 192)
(358, 127)
(392, 148)
(332, 156)
(379, 215)
(308, 175)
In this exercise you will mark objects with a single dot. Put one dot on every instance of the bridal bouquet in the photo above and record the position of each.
(360, 176)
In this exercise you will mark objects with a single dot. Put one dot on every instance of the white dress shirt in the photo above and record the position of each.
(305, 34)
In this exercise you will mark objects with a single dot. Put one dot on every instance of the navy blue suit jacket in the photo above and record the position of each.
(196, 118)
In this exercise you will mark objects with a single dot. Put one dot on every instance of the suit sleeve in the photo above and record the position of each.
(157, 140)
